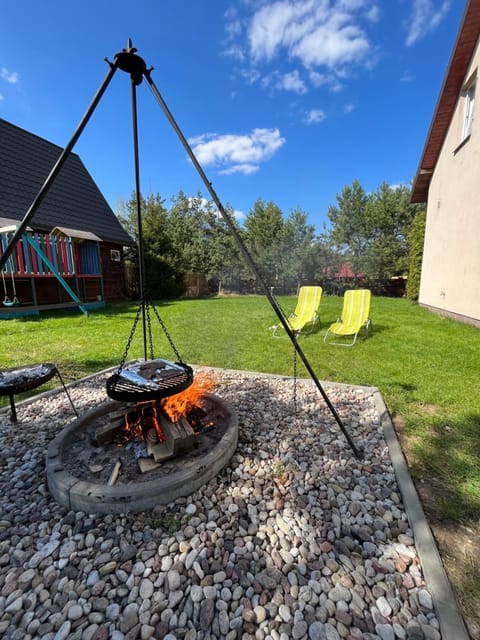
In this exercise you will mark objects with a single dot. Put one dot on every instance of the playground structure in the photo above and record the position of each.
(50, 269)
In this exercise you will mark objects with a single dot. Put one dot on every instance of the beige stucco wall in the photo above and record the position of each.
(450, 279)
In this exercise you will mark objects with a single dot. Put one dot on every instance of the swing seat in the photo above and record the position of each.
(149, 380)
(10, 303)
(6, 300)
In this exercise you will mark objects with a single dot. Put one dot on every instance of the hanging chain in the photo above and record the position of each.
(148, 305)
(165, 331)
(129, 341)
(149, 329)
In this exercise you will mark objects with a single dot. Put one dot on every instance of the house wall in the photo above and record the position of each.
(114, 286)
(450, 280)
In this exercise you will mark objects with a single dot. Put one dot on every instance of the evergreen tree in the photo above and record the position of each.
(389, 215)
(264, 231)
(416, 239)
(350, 230)
(298, 252)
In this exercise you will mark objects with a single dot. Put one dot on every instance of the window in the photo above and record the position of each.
(114, 255)
(469, 94)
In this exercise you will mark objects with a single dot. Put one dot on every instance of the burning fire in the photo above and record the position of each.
(180, 404)
(148, 414)
(146, 418)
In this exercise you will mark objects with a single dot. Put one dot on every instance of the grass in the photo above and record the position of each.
(425, 366)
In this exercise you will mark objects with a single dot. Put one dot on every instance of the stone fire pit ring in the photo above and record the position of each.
(72, 491)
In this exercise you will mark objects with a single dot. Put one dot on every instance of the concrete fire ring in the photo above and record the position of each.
(80, 495)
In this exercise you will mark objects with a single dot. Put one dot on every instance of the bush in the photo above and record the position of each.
(416, 239)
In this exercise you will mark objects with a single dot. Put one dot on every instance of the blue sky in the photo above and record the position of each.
(286, 100)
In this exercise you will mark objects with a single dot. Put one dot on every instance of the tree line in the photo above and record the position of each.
(373, 239)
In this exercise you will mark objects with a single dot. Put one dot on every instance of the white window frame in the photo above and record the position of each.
(115, 255)
(469, 99)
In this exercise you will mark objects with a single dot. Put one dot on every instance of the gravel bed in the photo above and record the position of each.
(295, 538)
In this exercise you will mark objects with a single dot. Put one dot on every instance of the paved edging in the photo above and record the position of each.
(452, 626)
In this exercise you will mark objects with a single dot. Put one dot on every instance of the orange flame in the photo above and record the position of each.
(178, 405)
(133, 424)
(156, 423)
(145, 415)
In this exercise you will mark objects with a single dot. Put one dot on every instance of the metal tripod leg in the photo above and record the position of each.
(13, 408)
(66, 391)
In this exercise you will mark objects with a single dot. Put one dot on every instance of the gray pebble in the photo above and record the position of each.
(295, 538)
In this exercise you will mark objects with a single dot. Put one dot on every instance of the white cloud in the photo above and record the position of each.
(239, 215)
(233, 25)
(268, 30)
(426, 16)
(314, 33)
(332, 44)
(318, 35)
(245, 168)
(285, 82)
(237, 153)
(251, 75)
(236, 52)
(195, 201)
(315, 116)
(11, 77)
(322, 79)
(1, 98)
(373, 14)
(293, 82)
(348, 108)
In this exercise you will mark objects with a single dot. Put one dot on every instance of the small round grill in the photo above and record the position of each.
(20, 379)
(150, 380)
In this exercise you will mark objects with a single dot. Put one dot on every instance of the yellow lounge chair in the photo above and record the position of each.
(306, 311)
(355, 316)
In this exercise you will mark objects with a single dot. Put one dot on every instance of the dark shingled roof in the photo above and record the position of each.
(73, 200)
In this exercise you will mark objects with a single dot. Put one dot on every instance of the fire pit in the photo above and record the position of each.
(123, 457)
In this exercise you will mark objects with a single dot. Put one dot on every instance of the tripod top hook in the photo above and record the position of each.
(130, 63)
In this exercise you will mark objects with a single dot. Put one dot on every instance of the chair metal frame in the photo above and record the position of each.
(365, 323)
(306, 295)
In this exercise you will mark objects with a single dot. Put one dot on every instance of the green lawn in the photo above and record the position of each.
(426, 367)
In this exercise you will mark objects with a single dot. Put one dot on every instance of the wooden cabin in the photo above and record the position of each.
(72, 252)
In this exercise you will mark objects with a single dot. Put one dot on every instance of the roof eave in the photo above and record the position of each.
(463, 50)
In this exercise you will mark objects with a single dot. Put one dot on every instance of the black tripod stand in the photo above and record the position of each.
(127, 60)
